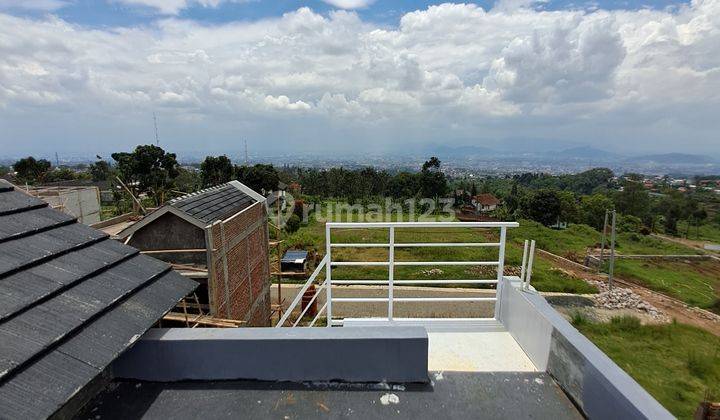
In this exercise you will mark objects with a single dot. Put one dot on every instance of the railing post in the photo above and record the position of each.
(500, 270)
(528, 272)
(391, 272)
(328, 277)
(524, 262)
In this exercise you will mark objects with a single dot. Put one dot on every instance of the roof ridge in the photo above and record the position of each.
(198, 192)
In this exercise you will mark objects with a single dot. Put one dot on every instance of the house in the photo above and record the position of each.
(71, 301)
(219, 237)
(485, 203)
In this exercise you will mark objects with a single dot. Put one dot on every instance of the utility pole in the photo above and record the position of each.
(602, 246)
(157, 138)
(612, 251)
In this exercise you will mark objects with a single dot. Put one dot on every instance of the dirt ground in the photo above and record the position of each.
(481, 309)
(673, 308)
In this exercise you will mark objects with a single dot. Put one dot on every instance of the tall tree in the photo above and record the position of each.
(432, 180)
(633, 199)
(216, 170)
(100, 170)
(31, 170)
(543, 206)
(261, 178)
(593, 208)
(148, 169)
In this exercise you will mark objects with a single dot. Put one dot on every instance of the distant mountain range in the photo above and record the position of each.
(676, 159)
(575, 153)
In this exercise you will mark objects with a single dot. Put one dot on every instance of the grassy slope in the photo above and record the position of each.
(708, 232)
(697, 283)
(572, 242)
(675, 363)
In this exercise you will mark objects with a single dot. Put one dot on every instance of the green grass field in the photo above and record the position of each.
(676, 363)
(573, 242)
(709, 232)
(696, 283)
(545, 277)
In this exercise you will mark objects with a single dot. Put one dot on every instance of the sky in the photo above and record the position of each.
(358, 77)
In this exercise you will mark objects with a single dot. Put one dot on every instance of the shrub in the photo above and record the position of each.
(700, 365)
(625, 323)
(292, 224)
(578, 318)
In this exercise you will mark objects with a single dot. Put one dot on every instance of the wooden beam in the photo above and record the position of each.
(204, 320)
(289, 274)
(173, 251)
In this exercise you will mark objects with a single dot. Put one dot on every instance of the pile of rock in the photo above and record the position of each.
(620, 298)
(432, 272)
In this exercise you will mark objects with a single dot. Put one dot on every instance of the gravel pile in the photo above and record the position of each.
(620, 298)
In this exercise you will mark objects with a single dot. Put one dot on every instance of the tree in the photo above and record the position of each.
(216, 170)
(100, 170)
(60, 174)
(432, 182)
(569, 210)
(292, 224)
(543, 206)
(432, 164)
(30, 170)
(148, 169)
(593, 208)
(261, 178)
(633, 199)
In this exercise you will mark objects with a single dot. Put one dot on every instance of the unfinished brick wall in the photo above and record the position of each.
(239, 283)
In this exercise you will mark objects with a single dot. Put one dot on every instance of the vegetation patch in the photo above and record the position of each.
(676, 363)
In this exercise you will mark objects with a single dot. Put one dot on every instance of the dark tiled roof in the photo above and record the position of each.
(215, 203)
(71, 300)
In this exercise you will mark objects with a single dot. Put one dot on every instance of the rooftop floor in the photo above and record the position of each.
(492, 351)
(450, 395)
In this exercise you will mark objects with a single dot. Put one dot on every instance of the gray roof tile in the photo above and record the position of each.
(71, 301)
(214, 203)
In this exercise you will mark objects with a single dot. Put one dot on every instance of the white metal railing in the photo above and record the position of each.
(328, 264)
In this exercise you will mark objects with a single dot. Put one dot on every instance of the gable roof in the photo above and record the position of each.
(486, 199)
(204, 207)
(71, 301)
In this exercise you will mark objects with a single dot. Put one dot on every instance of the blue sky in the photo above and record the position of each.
(386, 12)
(81, 76)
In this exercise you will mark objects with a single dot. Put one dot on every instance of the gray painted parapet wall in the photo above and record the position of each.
(597, 385)
(377, 354)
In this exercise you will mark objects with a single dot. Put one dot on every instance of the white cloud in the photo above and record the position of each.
(349, 4)
(282, 102)
(647, 76)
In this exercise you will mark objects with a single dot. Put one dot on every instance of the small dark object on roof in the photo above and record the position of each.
(71, 301)
(294, 260)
